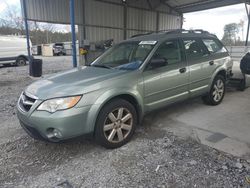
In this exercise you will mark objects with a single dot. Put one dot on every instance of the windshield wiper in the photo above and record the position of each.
(102, 66)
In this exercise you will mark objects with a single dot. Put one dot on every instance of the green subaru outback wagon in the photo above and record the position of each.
(108, 98)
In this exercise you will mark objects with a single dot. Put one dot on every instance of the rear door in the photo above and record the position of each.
(169, 83)
(218, 54)
(198, 61)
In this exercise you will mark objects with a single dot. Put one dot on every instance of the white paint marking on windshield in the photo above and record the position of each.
(148, 42)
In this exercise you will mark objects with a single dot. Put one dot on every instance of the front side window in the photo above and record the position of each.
(213, 46)
(194, 49)
(127, 56)
(170, 51)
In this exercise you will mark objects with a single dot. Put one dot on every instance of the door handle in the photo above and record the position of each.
(211, 63)
(183, 70)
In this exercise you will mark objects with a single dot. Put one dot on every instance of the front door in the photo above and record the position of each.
(166, 84)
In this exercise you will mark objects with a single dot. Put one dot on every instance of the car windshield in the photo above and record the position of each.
(125, 56)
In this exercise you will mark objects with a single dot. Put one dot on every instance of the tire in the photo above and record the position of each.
(111, 130)
(21, 61)
(242, 85)
(215, 96)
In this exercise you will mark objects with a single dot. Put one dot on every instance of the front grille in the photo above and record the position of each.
(26, 102)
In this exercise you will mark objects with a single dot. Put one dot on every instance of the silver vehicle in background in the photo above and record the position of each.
(59, 49)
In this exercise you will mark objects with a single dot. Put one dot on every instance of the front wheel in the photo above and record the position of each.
(115, 124)
(21, 61)
(217, 91)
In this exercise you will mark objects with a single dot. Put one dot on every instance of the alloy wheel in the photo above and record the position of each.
(218, 90)
(118, 125)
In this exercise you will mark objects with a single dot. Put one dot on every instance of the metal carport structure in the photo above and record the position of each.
(118, 19)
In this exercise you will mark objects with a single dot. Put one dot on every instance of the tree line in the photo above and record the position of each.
(12, 23)
(234, 34)
(38, 36)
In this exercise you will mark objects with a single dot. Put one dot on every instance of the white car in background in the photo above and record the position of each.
(13, 50)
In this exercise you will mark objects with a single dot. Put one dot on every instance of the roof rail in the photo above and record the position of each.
(141, 34)
(197, 31)
(187, 31)
(174, 31)
(200, 31)
(171, 31)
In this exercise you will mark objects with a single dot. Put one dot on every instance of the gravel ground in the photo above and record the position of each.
(154, 158)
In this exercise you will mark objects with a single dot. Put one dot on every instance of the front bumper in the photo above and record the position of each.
(69, 123)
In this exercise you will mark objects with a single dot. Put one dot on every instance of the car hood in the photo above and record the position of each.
(73, 82)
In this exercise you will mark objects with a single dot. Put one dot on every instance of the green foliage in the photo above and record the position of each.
(6, 30)
(12, 23)
(43, 37)
(230, 34)
(38, 36)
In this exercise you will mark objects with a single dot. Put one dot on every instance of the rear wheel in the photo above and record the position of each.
(21, 61)
(242, 84)
(115, 124)
(217, 91)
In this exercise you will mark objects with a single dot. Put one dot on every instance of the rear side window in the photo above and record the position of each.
(213, 46)
(194, 49)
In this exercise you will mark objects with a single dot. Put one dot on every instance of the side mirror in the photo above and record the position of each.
(157, 62)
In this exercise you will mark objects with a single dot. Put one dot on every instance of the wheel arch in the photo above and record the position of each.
(22, 56)
(132, 100)
(221, 71)
(130, 97)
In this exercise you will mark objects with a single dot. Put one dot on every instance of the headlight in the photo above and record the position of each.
(53, 105)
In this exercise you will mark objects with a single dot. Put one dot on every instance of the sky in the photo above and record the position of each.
(212, 20)
(3, 4)
(3, 7)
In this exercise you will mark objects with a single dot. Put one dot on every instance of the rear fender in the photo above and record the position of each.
(216, 72)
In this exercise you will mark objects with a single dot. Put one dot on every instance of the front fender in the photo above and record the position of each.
(107, 96)
(112, 93)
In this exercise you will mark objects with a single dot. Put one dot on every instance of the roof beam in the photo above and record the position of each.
(165, 2)
(150, 5)
(207, 4)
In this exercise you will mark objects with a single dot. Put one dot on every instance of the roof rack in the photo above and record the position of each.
(174, 31)
(199, 31)
(141, 34)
